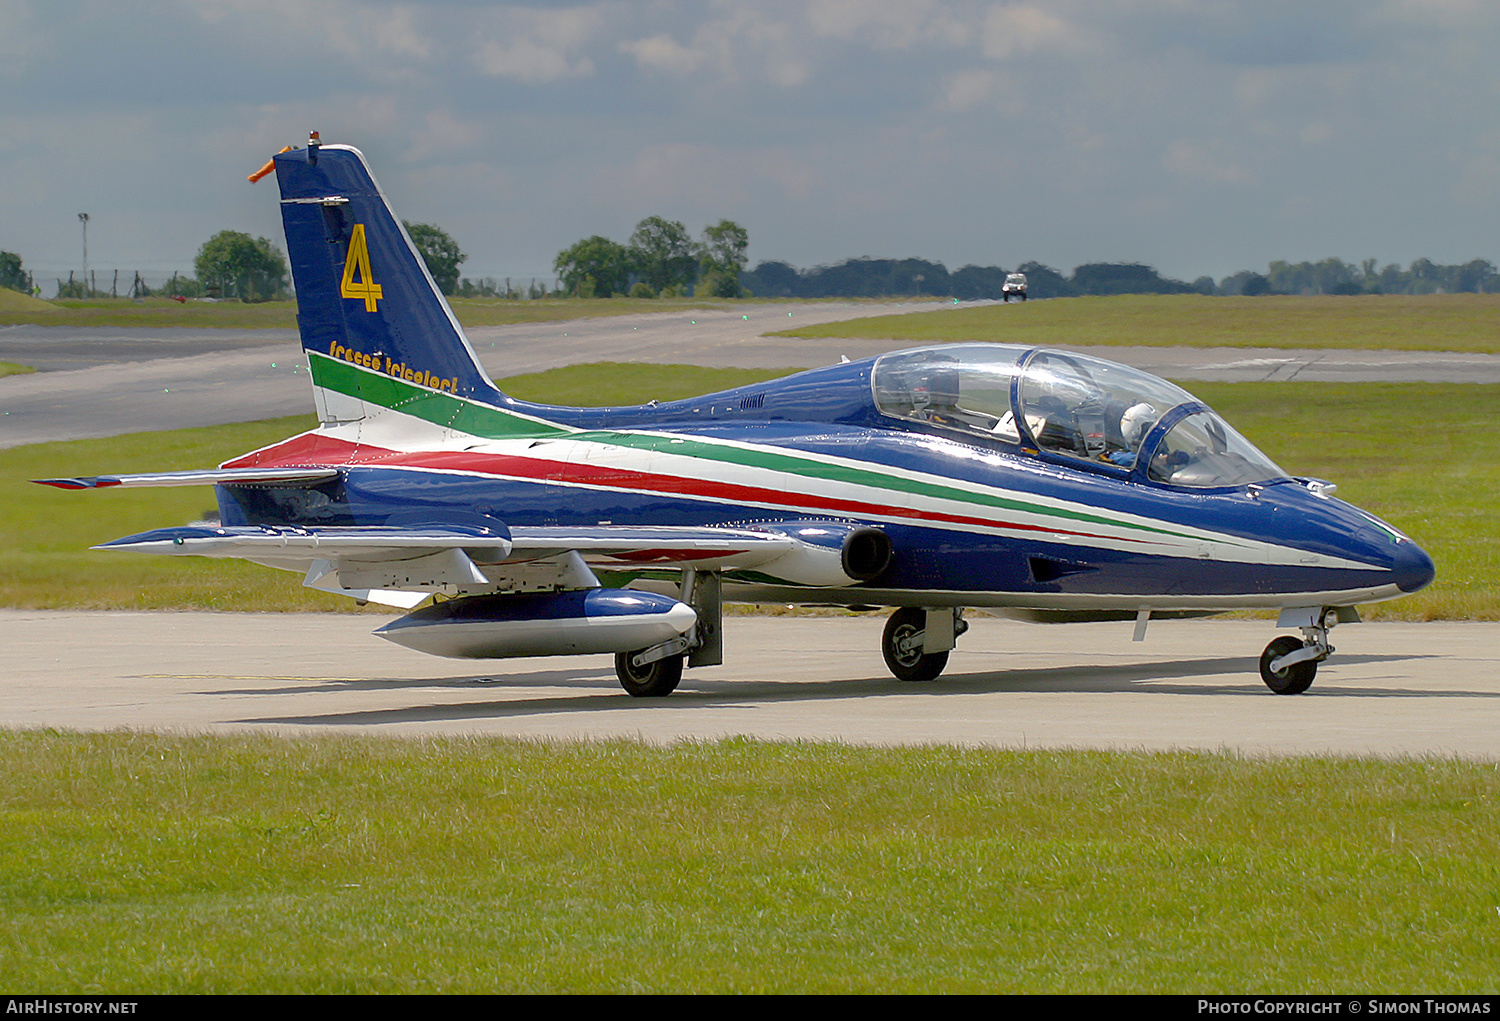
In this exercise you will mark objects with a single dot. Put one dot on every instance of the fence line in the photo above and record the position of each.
(135, 284)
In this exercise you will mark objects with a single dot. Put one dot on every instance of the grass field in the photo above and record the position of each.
(144, 863)
(1439, 322)
(12, 369)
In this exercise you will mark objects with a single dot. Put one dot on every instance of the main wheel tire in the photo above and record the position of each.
(909, 664)
(656, 679)
(1290, 680)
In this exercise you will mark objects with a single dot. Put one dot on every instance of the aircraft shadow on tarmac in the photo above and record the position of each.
(1156, 678)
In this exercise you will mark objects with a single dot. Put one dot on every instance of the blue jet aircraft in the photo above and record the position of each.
(1030, 482)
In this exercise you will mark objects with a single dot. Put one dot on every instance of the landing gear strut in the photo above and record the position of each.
(917, 641)
(1289, 665)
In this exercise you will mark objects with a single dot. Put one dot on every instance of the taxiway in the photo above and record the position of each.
(1393, 689)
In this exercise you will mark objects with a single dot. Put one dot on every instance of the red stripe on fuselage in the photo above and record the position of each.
(311, 449)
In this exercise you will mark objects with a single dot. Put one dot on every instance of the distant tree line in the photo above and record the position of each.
(661, 260)
(1334, 276)
(871, 278)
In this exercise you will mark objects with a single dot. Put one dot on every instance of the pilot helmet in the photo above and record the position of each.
(1136, 422)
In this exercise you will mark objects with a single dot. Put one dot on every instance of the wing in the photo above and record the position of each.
(396, 566)
(401, 565)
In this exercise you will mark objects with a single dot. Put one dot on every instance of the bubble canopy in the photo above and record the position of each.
(1080, 409)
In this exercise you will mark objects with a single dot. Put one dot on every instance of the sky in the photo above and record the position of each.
(1200, 137)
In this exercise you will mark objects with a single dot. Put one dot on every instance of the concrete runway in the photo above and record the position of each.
(105, 382)
(1391, 690)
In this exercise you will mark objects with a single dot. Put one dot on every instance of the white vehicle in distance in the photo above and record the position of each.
(1014, 286)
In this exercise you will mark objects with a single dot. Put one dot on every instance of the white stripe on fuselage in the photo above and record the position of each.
(1048, 522)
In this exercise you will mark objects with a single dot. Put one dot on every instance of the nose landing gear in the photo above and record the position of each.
(1289, 665)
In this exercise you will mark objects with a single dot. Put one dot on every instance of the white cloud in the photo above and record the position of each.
(1316, 132)
(746, 44)
(396, 32)
(665, 54)
(441, 129)
(539, 46)
(348, 27)
(831, 126)
(1014, 29)
(966, 88)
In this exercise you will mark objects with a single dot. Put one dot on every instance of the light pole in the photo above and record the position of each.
(83, 218)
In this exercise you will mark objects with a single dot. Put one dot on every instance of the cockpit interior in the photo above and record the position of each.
(1059, 405)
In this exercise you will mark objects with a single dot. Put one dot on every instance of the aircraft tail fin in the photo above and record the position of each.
(377, 331)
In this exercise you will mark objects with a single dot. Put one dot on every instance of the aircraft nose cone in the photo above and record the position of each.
(1413, 568)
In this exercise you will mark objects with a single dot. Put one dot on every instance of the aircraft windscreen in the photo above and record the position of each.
(1069, 405)
(1203, 450)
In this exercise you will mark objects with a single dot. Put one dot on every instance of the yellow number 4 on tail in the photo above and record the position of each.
(358, 262)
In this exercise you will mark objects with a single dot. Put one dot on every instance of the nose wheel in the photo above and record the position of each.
(1290, 678)
(1289, 664)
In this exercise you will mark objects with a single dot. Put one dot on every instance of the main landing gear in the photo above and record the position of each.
(917, 641)
(1289, 664)
(654, 672)
(655, 679)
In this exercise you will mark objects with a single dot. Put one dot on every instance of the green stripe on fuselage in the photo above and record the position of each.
(775, 460)
(487, 422)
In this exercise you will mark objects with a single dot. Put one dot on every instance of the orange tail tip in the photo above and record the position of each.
(270, 166)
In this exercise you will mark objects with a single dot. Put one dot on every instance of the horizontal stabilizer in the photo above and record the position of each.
(199, 477)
